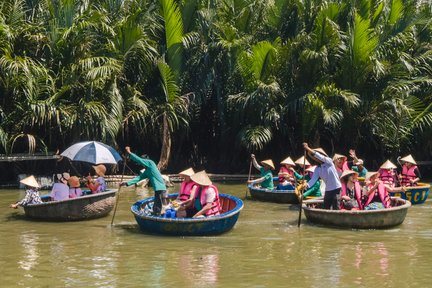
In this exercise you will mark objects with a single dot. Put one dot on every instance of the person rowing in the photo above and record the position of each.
(266, 179)
(32, 193)
(410, 175)
(326, 170)
(154, 176)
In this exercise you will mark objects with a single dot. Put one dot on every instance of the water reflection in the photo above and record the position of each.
(200, 270)
(29, 242)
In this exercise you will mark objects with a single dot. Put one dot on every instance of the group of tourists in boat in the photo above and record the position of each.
(346, 184)
(198, 197)
(66, 187)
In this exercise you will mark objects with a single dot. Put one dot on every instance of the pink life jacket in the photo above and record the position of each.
(386, 177)
(186, 190)
(383, 195)
(408, 175)
(283, 169)
(344, 167)
(358, 194)
(215, 209)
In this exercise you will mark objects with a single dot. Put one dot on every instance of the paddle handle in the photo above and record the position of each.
(118, 192)
(249, 176)
(302, 191)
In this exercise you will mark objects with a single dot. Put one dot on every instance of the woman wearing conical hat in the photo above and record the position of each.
(32, 194)
(341, 163)
(266, 179)
(286, 175)
(410, 173)
(187, 192)
(206, 200)
(376, 194)
(387, 174)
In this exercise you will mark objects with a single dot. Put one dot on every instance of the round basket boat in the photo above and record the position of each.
(81, 208)
(416, 195)
(231, 207)
(276, 196)
(364, 219)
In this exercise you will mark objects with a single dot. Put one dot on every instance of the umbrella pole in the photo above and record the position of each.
(118, 192)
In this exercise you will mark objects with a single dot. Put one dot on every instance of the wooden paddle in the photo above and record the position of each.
(302, 190)
(118, 192)
(249, 176)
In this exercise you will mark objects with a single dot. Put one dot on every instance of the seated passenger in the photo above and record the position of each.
(358, 164)
(351, 192)
(388, 177)
(285, 175)
(376, 193)
(60, 190)
(340, 162)
(74, 187)
(410, 173)
(315, 190)
(206, 200)
(97, 185)
(266, 179)
(187, 193)
(302, 161)
(32, 194)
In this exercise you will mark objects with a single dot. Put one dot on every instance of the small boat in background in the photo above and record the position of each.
(81, 208)
(277, 196)
(214, 225)
(359, 219)
(416, 194)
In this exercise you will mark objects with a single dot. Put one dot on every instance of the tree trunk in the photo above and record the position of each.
(166, 145)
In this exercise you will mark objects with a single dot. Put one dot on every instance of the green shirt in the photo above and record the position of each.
(315, 190)
(268, 178)
(151, 172)
(362, 173)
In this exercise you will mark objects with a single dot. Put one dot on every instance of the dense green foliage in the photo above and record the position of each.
(214, 80)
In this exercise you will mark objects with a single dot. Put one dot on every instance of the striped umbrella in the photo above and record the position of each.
(92, 152)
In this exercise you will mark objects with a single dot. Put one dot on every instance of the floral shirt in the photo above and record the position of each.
(31, 197)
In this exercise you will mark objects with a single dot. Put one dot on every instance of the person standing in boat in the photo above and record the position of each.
(351, 191)
(60, 190)
(155, 178)
(266, 179)
(188, 190)
(326, 170)
(32, 194)
(376, 195)
(286, 175)
(410, 175)
(206, 200)
(358, 164)
(98, 185)
(315, 190)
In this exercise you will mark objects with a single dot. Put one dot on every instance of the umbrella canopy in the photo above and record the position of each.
(92, 152)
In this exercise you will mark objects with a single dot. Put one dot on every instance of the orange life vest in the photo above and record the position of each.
(382, 193)
(408, 175)
(283, 169)
(186, 190)
(358, 194)
(215, 209)
(386, 177)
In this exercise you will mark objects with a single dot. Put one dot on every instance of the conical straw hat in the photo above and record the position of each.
(288, 161)
(302, 161)
(269, 163)
(371, 174)
(320, 150)
(201, 178)
(311, 169)
(100, 169)
(409, 159)
(30, 181)
(347, 173)
(388, 165)
(188, 172)
(338, 156)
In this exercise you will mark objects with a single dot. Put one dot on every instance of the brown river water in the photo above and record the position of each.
(265, 249)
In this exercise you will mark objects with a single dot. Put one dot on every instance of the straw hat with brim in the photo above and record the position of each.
(188, 172)
(320, 150)
(370, 175)
(30, 181)
(388, 165)
(347, 173)
(359, 162)
(302, 161)
(269, 163)
(100, 169)
(409, 159)
(74, 182)
(288, 161)
(311, 169)
(338, 156)
(201, 178)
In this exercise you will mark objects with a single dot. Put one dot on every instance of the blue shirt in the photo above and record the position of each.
(327, 172)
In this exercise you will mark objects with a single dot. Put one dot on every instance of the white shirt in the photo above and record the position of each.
(210, 195)
(327, 172)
